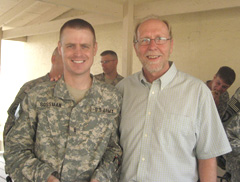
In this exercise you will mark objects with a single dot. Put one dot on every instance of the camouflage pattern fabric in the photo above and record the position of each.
(101, 77)
(18, 99)
(223, 100)
(76, 142)
(233, 108)
(237, 94)
(233, 158)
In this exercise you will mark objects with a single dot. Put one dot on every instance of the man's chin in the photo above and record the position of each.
(153, 69)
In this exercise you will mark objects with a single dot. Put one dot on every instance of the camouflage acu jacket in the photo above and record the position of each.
(54, 134)
(18, 99)
(233, 158)
(223, 101)
(101, 77)
(233, 108)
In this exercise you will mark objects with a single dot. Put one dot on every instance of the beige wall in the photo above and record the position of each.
(206, 41)
(203, 42)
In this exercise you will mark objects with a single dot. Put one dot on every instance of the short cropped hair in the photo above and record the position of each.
(78, 24)
(152, 17)
(109, 52)
(227, 74)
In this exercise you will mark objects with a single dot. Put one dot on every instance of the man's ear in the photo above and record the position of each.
(59, 48)
(135, 48)
(171, 48)
(95, 48)
(53, 59)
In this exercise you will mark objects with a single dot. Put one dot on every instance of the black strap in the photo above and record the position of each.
(8, 179)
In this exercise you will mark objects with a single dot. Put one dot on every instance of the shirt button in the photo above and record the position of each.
(145, 135)
(149, 113)
(152, 92)
(143, 159)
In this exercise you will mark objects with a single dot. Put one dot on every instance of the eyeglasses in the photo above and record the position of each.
(107, 61)
(157, 40)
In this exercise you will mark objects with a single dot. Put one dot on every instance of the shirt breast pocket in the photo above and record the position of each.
(174, 128)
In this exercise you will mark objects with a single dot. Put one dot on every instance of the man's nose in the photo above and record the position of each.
(152, 44)
(218, 88)
(78, 51)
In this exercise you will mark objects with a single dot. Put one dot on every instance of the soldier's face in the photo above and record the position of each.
(77, 48)
(219, 85)
(109, 64)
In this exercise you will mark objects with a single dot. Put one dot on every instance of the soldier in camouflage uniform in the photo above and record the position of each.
(233, 133)
(56, 69)
(221, 81)
(109, 61)
(60, 136)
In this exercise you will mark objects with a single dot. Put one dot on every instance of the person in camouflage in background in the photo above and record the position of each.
(219, 85)
(109, 61)
(56, 70)
(233, 133)
(68, 130)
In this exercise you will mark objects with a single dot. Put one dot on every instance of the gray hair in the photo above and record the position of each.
(154, 17)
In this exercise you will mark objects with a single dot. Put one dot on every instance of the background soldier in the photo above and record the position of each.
(109, 61)
(233, 133)
(221, 81)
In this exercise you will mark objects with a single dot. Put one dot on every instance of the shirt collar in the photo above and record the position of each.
(61, 91)
(164, 79)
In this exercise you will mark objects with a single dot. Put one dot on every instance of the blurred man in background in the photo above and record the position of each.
(221, 81)
(109, 61)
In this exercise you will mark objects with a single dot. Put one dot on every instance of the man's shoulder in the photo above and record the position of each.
(237, 94)
(134, 77)
(191, 79)
(120, 77)
(188, 76)
(129, 82)
(32, 83)
(103, 86)
(100, 84)
(108, 94)
(99, 76)
(42, 88)
(192, 83)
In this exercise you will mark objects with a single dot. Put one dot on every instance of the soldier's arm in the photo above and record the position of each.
(233, 133)
(109, 167)
(12, 111)
(21, 162)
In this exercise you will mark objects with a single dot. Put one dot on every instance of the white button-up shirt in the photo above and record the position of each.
(166, 126)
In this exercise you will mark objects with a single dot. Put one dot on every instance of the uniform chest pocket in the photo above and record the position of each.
(99, 121)
(53, 121)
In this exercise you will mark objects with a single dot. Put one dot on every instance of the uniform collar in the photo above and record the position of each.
(62, 92)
